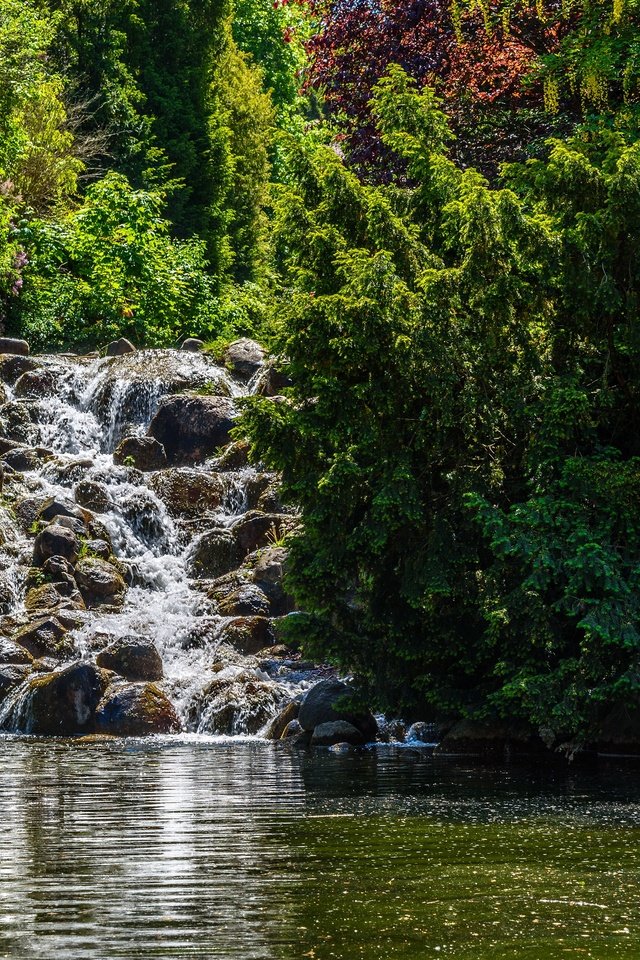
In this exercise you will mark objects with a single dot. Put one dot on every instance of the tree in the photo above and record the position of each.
(456, 434)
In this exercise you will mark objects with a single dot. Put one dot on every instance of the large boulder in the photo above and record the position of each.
(133, 658)
(53, 507)
(192, 427)
(336, 731)
(136, 710)
(244, 358)
(18, 347)
(56, 541)
(272, 381)
(143, 453)
(327, 702)
(256, 529)
(213, 554)
(188, 493)
(58, 704)
(23, 458)
(99, 582)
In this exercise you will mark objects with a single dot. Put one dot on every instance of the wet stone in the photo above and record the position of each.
(191, 428)
(136, 710)
(93, 496)
(133, 658)
(143, 453)
(244, 358)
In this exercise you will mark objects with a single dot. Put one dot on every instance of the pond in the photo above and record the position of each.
(238, 850)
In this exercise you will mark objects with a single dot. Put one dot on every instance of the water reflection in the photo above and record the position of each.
(200, 849)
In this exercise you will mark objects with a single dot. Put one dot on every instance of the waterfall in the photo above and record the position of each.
(93, 405)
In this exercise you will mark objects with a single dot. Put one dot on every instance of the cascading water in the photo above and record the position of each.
(89, 407)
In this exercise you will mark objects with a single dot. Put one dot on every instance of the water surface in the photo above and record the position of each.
(243, 851)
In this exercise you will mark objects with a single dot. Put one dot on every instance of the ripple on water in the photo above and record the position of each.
(201, 847)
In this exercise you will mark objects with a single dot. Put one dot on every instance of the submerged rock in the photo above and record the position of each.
(336, 731)
(283, 721)
(192, 427)
(136, 710)
(133, 658)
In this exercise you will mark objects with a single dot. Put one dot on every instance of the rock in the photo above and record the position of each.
(272, 381)
(98, 548)
(28, 510)
(188, 493)
(235, 456)
(248, 635)
(323, 704)
(143, 453)
(270, 499)
(498, 740)
(36, 384)
(99, 581)
(19, 348)
(133, 658)
(292, 729)
(247, 601)
(24, 459)
(192, 427)
(118, 348)
(53, 508)
(193, 345)
(15, 423)
(213, 554)
(12, 367)
(11, 676)
(49, 596)
(136, 710)
(422, 733)
(93, 496)
(336, 731)
(56, 541)
(392, 731)
(244, 358)
(232, 705)
(255, 486)
(280, 723)
(44, 637)
(58, 704)
(255, 529)
(12, 652)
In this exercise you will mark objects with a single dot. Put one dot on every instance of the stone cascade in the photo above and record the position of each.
(142, 556)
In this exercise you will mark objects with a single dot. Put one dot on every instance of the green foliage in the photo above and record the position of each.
(465, 367)
(110, 269)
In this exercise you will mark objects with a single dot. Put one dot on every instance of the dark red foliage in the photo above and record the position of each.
(479, 78)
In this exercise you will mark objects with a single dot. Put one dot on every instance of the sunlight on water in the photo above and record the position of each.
(202, 847)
